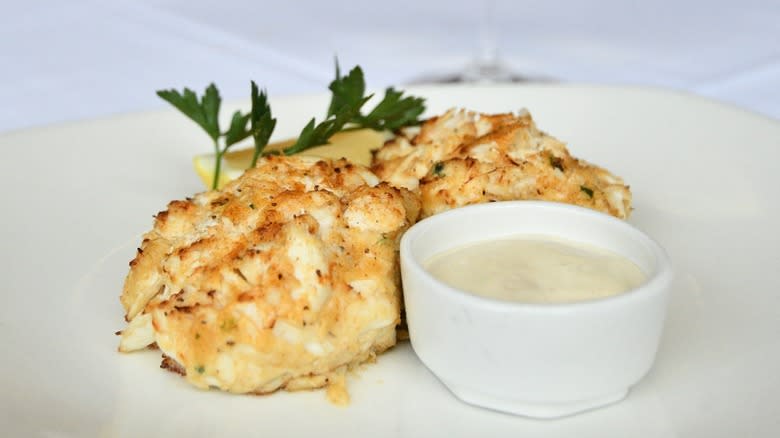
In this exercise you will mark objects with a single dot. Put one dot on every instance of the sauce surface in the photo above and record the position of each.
(535, 269)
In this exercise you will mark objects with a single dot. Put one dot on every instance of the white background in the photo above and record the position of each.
(704, 177)
(62, 61)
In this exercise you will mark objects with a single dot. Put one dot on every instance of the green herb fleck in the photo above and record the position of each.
(384, 239)
(228, 325)
(588, 191)
(556, 162)
(438, 169)
(200, 369)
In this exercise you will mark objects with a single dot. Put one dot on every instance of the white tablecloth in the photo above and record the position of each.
(69, 60)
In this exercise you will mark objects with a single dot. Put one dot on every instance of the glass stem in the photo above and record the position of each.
(488, 35)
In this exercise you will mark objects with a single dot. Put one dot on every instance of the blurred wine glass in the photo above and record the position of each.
(486, 65)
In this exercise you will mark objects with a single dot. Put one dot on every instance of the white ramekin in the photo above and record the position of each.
(536, 360)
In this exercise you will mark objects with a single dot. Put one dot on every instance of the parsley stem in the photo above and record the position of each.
(217, 166)
(255, 156)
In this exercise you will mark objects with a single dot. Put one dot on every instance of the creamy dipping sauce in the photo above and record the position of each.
(535, 269)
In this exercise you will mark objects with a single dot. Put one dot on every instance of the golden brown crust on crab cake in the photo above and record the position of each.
(463, 158)
(282, 279)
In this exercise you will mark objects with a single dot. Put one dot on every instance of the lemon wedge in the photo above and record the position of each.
(356, 146)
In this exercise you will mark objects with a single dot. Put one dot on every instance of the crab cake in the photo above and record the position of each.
(463, 158)
(281, 280)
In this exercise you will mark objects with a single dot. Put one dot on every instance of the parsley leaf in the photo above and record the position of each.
(318, 134)
(204, 112)
(263, 123)
(394, 112)
(347, 91)
(238, 130)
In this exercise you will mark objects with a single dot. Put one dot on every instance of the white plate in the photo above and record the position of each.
(75, 198)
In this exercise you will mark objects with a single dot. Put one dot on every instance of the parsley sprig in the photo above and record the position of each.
(348, 96)
(393, 112)
(204, 111)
